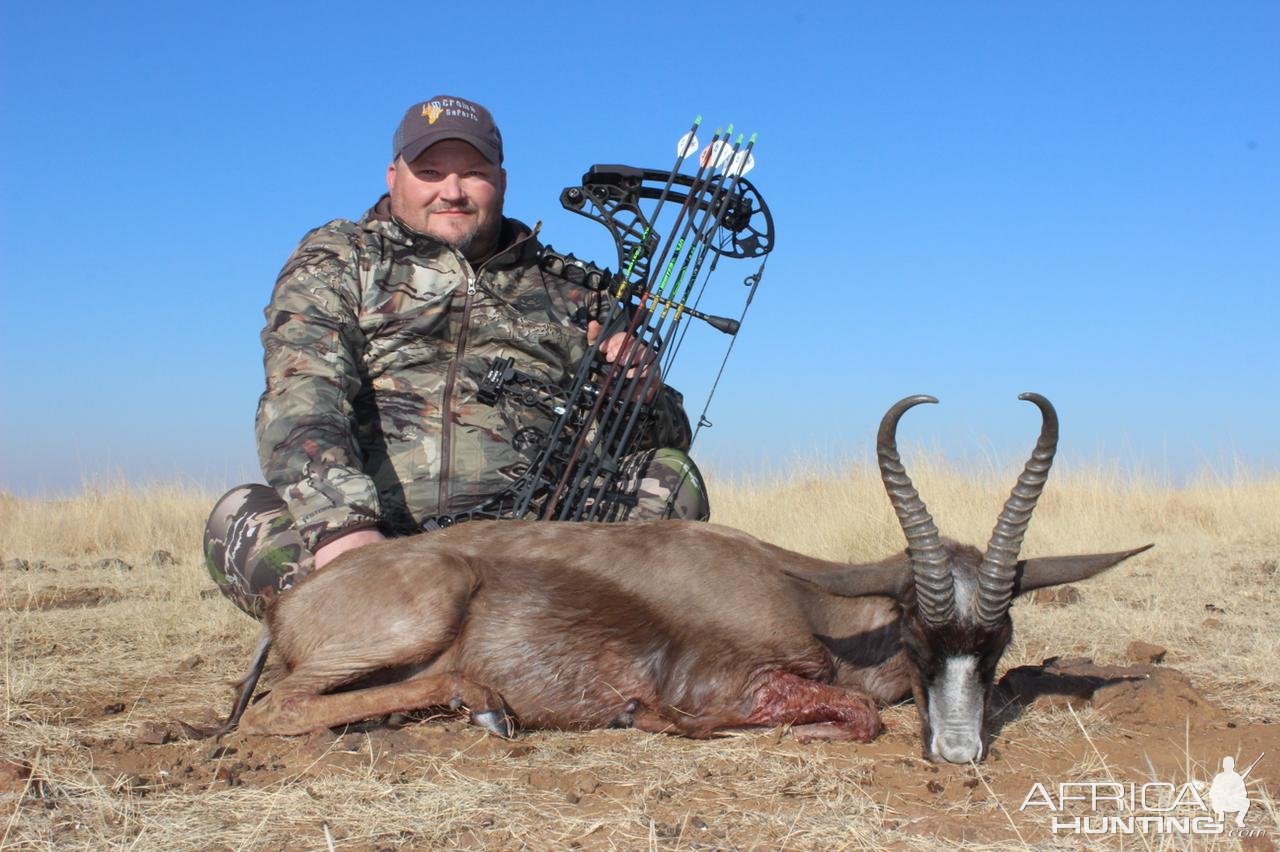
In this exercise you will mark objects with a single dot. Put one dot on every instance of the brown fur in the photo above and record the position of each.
(676, 625)
(665, 625)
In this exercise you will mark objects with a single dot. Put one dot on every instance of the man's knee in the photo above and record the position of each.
(670, 486)
(251, 548)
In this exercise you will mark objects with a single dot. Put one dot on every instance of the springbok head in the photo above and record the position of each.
(955, 600)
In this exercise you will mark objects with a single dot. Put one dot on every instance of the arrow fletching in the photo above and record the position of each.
(687, 145)
(716, 155)
(743, 162)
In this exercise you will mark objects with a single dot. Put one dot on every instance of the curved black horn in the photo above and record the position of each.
(999, 569)
(935, 592)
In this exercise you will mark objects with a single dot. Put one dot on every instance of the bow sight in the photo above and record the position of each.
(600, 417)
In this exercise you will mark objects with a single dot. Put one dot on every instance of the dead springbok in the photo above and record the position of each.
(670, 626)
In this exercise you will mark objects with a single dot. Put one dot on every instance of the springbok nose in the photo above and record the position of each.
(959, 748)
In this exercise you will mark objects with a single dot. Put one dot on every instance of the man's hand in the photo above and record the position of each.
(350, 541)
(623, 348)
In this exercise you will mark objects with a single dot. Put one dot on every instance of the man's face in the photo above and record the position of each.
(450, 192)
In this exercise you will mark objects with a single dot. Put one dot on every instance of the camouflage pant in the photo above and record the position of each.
(254, 553)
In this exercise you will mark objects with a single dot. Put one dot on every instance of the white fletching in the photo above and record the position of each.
(687, 145)
(743, 162)
(716, 155)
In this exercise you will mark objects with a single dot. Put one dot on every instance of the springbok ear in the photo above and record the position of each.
(854, 581)
(1055, 570)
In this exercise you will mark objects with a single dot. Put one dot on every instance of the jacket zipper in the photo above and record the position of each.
(446, 407)
(446, 420)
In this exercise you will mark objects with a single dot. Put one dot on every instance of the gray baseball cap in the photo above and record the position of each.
(446, 117)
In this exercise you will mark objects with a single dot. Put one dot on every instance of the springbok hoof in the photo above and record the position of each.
(627, 718)
(495, 722)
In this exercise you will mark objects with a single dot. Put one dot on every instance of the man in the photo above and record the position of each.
(377, 335)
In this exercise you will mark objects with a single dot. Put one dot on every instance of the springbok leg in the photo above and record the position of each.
(289, 712)
(247, 684)
(814, 710)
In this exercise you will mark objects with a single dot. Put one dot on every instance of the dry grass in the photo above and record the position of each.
(79, 637)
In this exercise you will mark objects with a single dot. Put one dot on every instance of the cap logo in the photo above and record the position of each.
(444, 117)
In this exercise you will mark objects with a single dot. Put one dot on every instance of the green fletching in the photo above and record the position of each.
(753, 139)
(697, 122)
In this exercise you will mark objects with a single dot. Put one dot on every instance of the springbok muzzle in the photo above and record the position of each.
(956, 704)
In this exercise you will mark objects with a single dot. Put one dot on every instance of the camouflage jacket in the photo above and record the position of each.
(376, 339)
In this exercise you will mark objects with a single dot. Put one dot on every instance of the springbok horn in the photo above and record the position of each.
(935, 593)
(999, 569)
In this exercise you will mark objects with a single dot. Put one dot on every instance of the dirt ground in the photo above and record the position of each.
(108, 658)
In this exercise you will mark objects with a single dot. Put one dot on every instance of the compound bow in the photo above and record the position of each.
(599, 417)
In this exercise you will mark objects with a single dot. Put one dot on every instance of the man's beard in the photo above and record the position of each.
(462, 243)
(485, 242)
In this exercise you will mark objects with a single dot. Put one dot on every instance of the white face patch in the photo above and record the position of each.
(966, 587)
(956, 701)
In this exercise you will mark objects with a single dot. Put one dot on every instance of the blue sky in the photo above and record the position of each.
(971, 200)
